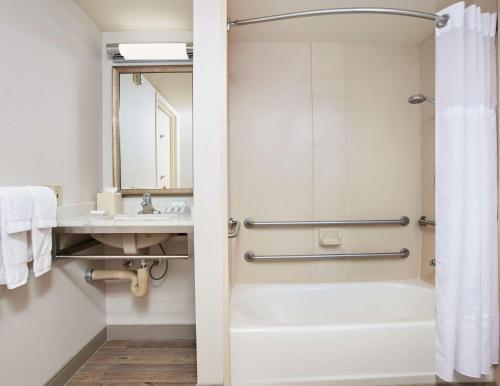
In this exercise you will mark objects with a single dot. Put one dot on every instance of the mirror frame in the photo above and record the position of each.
(117, 71)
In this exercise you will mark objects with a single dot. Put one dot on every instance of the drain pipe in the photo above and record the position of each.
(139, 280)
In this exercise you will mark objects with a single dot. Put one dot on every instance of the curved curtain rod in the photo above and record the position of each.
(440, 20)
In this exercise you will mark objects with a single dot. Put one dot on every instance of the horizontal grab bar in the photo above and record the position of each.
(250, 256)
(424, 221)
(251, 223)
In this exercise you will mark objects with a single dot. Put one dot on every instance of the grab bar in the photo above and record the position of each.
(251, 223)
(250, 256)
(424, 221)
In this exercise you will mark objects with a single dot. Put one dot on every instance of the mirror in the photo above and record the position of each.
(152, 129)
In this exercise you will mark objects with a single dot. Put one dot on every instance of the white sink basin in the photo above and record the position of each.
(132, 243)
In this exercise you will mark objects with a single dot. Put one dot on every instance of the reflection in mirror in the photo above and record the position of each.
(155, 130)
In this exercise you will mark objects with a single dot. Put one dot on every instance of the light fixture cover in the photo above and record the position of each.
(150, 51)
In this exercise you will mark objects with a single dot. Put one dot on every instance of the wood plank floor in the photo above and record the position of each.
(140, 363)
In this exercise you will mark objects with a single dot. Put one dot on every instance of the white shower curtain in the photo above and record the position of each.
(466, 194)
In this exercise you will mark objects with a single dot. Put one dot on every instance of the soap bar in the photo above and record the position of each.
(109, 202)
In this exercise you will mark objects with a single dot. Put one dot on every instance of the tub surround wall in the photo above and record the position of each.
(51, 113)
(323, 131)
(427, 87)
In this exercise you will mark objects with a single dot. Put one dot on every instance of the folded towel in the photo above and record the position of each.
(16, 208)
(44, 219)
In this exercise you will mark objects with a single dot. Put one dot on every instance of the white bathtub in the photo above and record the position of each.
(373, 333)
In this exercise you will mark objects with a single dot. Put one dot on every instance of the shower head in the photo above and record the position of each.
(419, 98)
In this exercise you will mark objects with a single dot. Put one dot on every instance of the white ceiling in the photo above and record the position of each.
(140, 15)
(347, 28)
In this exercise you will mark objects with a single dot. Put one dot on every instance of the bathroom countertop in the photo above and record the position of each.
(174, 223)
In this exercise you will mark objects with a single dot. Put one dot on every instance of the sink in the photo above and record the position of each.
(130, 232)
(132, 243)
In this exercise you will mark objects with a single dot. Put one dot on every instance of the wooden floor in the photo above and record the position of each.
(140, 363)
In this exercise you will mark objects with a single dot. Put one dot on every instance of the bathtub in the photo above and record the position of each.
(349, 334)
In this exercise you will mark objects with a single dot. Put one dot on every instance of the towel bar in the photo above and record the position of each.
(250, 256)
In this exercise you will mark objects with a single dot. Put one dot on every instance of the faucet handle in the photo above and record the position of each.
(147, 205)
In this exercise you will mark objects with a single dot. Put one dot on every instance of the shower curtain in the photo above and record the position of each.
(466, 194)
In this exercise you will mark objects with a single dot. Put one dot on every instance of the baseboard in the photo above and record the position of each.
(70, 368)
(204, 384)
(147, 332)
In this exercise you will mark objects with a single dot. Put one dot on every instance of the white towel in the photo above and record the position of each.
(44, 219)
(16, 209)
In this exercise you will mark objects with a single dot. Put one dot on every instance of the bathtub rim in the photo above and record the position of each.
(242, 322)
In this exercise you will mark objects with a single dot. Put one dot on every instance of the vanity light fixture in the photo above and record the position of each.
(150, 52)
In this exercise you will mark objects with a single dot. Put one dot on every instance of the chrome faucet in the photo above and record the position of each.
(147, 205)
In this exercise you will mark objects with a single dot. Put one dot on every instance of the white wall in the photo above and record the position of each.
(323, 131)
(50, 115)
(172, 300)
(210, 189)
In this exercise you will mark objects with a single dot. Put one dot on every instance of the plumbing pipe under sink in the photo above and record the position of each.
(139, 280)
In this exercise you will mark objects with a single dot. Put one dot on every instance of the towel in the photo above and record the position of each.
(16, 209)
(44, 219)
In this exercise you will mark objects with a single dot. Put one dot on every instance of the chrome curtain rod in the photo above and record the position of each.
(440, 20)
(250, 256)
(250, 223)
